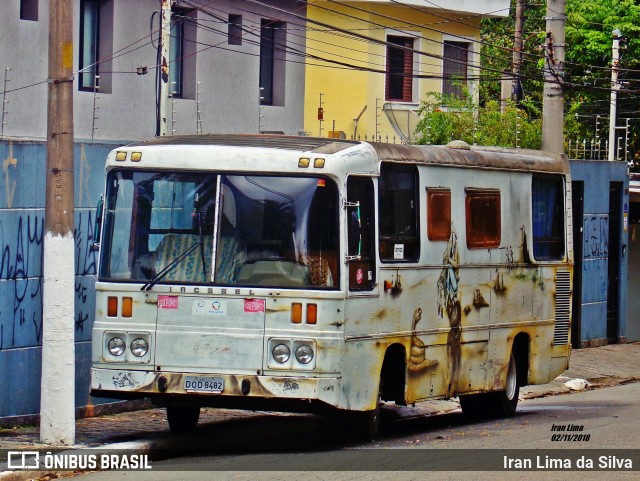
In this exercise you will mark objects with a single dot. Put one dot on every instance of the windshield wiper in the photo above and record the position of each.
(158, 277)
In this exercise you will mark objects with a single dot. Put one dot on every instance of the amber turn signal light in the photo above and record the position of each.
(112, 306)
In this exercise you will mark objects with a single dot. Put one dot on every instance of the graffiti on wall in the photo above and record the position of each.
(86, 258)
(21, 263)
(22, 244)
(596, 236)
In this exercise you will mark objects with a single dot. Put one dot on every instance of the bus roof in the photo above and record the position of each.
(314, 145)
(461, 154)
(457, 153)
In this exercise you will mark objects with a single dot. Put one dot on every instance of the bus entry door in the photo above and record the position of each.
(209, 335)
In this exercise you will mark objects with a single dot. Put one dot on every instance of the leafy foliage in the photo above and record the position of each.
(587, 72)
(443, 119)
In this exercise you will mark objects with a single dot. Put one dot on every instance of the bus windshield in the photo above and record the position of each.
(207, 228)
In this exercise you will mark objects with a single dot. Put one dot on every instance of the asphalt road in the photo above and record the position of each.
(600, 426)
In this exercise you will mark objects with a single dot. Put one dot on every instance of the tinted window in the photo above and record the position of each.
(548, 217)
(361, 228)
(398, 208)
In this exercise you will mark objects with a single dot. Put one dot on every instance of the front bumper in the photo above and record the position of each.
(159, 386)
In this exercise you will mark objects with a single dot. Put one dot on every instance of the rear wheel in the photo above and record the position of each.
(182, 419)
(495, 404)
(507, 401)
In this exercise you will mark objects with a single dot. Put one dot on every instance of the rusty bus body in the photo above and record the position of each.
(330, 273)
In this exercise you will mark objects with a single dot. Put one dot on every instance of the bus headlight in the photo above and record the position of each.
(281, 353)
(116, 346)
(304, 354)
(139, 347)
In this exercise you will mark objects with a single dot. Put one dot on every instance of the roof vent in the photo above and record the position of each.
(459, 145)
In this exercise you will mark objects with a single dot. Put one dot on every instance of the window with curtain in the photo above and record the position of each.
(548, 217)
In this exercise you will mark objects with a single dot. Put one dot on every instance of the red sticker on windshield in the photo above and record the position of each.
(254, 305)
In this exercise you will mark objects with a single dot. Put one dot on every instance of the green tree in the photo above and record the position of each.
(587, 63)
(443, 119)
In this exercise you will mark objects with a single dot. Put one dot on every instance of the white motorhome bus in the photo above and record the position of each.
(294, 273)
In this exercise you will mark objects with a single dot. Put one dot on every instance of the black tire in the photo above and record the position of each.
(475, 405)
(365, 424)
(499, 404)
(506, 401)
(182, 419)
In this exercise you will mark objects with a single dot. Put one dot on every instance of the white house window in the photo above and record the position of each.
(455, 66)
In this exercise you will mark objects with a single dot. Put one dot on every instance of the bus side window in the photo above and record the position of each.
(438, 213)
(548, 216)
(398, 209)
(483, 221)
(360, 234)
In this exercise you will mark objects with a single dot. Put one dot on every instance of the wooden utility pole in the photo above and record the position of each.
(516, 68)
(553, 103)
(57, 401)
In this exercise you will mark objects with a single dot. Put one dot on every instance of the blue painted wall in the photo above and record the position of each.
(597, 177)
(22, 199)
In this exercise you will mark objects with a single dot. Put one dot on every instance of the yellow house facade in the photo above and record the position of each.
(370, 63)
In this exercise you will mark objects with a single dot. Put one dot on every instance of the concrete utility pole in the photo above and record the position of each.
(615, 86)
(553, 103)
(165, 86)
(57, 401)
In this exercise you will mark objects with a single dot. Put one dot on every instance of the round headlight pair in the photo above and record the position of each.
(281, 353)
(139, 347)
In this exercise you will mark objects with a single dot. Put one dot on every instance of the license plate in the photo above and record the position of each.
(203, 384)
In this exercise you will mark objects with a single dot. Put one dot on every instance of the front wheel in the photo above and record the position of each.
(366, 424)
(182, 419)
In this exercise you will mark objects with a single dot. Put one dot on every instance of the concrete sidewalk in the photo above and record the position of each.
(589, 368)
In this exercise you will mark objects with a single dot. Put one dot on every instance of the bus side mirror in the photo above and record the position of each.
(97, 226)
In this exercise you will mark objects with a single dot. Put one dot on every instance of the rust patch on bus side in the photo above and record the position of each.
(394, 285)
